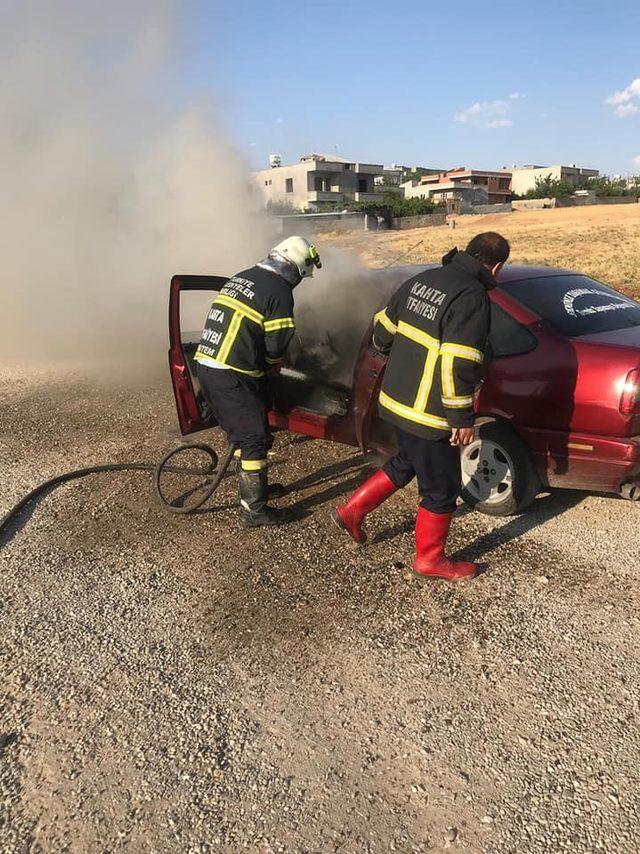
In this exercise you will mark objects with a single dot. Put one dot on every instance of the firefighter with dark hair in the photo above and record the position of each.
(434, 330)
(246, 335)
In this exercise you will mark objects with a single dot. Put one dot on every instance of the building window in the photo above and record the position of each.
(289, 185)
(362, 185)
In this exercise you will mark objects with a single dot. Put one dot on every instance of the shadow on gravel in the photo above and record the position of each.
(543, 510)
(357, 469)
(19, 521)
(404, 527)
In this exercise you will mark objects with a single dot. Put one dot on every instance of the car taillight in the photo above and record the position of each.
(630, 399)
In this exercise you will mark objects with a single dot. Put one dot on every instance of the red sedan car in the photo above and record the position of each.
(559, 405)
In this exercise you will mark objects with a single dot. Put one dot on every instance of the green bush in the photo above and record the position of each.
(606, 186)
(549, 188)
(281, 208)
(397, 205)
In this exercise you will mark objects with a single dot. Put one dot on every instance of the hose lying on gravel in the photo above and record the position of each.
(158, 470)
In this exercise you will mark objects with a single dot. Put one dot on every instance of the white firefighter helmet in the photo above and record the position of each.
(300, 252)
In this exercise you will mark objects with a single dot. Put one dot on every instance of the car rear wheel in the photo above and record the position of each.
(498, 475)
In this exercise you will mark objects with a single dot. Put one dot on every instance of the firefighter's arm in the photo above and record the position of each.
(465, 328)
(279, 327)
(385, 324)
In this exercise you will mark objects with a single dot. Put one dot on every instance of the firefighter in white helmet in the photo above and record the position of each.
(245, 338)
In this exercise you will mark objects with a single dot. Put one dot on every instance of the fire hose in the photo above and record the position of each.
(214, 471)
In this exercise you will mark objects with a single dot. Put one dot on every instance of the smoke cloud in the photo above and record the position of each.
(333, 311)
(107, 192)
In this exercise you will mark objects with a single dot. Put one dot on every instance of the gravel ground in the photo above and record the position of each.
(172, 684)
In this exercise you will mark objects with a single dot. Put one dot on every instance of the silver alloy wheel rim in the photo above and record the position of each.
(487, 472)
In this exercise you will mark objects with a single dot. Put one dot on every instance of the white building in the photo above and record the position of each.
(319, 181)
(524, 178)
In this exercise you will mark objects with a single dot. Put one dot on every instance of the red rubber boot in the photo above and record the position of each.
(432, 530)
(371, 494)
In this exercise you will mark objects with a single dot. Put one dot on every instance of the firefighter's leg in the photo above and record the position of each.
(395, 473)
(254, 488)
(438, 468)
(239, 408)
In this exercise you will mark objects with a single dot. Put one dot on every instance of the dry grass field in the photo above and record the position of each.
(602, 241)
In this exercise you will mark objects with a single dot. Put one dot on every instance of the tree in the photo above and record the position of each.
(415, 176)
(397, 205)
(281, 208)
(606, 186)
(549, 188)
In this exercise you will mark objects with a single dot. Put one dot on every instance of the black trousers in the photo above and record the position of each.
(240, 404)
(436, 464)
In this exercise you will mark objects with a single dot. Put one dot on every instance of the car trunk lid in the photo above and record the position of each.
(609, 379)
(629, 337)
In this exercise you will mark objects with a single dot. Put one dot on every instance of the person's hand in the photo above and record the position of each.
(462, 435)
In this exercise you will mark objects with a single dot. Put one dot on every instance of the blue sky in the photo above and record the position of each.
(438, 84)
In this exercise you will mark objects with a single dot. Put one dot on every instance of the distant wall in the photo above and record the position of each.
(424, 221)
(481, 210)
(575, 201)
(571, 202)
(309, 224)
(532, 204)
(617, 200)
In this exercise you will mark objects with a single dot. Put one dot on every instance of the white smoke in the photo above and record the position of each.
(334, 310)
(107, 192)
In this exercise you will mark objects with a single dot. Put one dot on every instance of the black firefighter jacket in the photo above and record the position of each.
(435, 330)
(250, 323)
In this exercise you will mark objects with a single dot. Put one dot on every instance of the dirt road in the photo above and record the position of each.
(172, 684)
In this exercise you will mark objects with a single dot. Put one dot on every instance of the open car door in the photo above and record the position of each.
(185, 325)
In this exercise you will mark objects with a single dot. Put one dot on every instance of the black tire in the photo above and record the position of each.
(499, 477)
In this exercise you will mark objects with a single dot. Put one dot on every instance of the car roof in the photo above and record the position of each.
(509, 273)
(518, 272)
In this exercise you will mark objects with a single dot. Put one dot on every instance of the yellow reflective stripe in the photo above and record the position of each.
(207, 360)
(249, 373)
(462, 351)
(383, 318)
(448, 382)
(417, 335)
(279, 323)
(253, 465)
(457, 402)
(449, 396)
(424, 389)
(273, 360)
(411, 414)
(236, 305)
(230, 337)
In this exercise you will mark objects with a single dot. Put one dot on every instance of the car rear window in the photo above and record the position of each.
(576, 305)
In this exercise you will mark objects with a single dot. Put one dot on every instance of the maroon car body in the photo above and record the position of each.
(573, 400)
